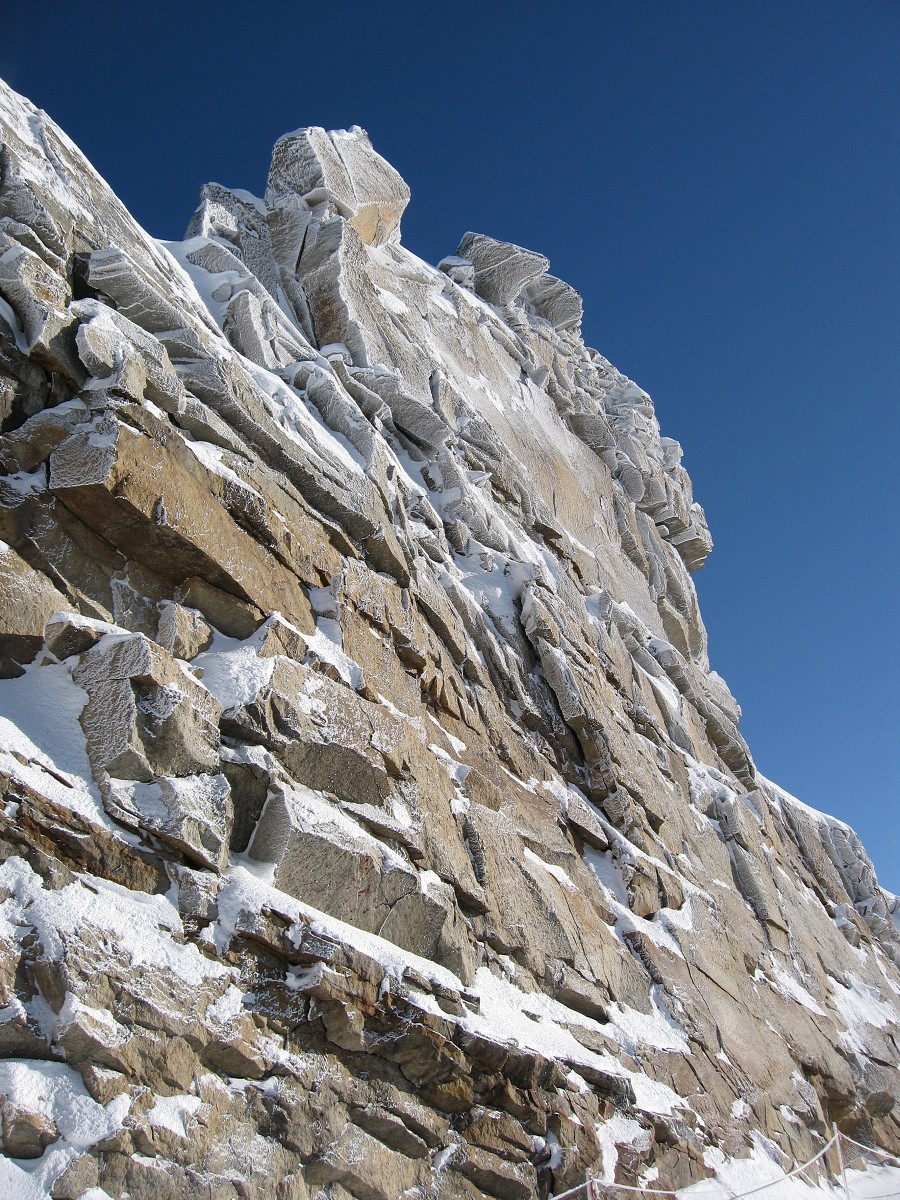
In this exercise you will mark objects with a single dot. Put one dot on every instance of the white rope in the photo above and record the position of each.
(840, 1157)
(796, 1171)
(646, 1191)
(869, 1149)
(571, 1192)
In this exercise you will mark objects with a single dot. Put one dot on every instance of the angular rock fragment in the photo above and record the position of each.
(502, 270)
(192, 813)
(182, 631)
(27, 599)
(322, 856)
(556, 301)
(145, 715)
(38, 296)
(342, 169)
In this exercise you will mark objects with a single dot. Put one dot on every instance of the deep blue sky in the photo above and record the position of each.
(719, 178)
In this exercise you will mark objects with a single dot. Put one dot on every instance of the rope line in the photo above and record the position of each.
(645, 1191)
(796, 1170)
(869, 1150)
(581, 1187)
(590, 1184)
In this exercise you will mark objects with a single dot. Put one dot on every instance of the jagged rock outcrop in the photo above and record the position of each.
(372, 822)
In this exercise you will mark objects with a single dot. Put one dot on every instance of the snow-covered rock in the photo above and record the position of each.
(372, 822)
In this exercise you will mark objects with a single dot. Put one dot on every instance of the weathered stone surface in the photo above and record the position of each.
(150, 503)
(342, 169)
(556, 301)
(365, 1167)
(68, 634)
(182, 631)
(25, 1132)
(193, 813)
(79, 1177)
(502, 270)
(324, 857)
(145, 715)
(494, 1175)
(27, 600)
(38, 296)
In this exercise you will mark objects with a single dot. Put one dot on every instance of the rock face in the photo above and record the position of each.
(372, 822)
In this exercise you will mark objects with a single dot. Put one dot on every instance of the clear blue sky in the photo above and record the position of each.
(719, 178)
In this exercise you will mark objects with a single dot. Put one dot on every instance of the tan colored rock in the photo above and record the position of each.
(27, 600)
(235, 618)
(341, 169)
(26, 1133)
(391, 1130)
(93, 1035)
(501, 1134)
(80, 1176)
(193, 813)
(147, 500)
(365, 1166)
(145, 715)
(68, 634)
(494, 1175)
(182, 631)
(321, 855)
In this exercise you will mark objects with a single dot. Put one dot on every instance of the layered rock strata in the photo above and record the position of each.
(373, 823)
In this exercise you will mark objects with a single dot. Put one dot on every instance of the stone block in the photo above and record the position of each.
(367, 1168)
(182, 631)
(502, 270)
(556, 301)
(192, 813)
(496, 1176)
(25, 1132)
(390, 1129)
(156, 503)
(145, 717)
(27, 599)
(39, 297)
(324, 857)
(342, 169)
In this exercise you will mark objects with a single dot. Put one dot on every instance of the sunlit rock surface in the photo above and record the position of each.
(372, 822)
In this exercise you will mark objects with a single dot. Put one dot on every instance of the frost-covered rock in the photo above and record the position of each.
(370, 819)
(502, 270)
(340, 169)
(145, 715)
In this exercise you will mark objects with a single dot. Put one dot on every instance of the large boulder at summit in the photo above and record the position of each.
(340, 169)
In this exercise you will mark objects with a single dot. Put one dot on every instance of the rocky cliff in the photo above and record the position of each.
(372, 823)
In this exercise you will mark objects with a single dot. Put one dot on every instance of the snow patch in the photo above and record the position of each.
(233, 671)
(174, 1113)
(557, 872)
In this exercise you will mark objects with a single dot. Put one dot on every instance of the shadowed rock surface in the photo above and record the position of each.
(373, 824)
